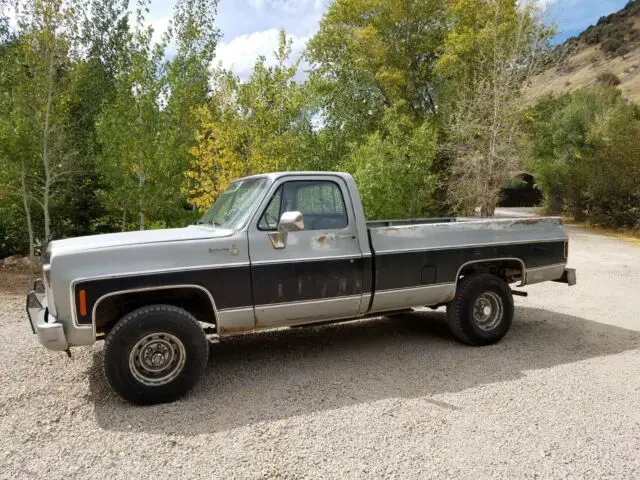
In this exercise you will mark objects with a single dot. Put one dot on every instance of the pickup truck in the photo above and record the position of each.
(278, 250)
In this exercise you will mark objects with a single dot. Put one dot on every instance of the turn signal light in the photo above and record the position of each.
(83, 302)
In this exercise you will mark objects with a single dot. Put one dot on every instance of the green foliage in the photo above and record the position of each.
(393, 168)
(101, 129)
(488, 57)
(371, 54)
(374, 77)
(585, 155)
(257, 126)
(12, 238)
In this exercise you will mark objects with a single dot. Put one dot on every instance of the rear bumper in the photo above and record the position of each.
(50, 332)
(568, 277)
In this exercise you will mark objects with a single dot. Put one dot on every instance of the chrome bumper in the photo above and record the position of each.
(50, 332)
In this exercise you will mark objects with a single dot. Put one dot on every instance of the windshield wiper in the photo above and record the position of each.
(210, 222)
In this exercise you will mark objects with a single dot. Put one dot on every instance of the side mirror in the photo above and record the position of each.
(291, 222)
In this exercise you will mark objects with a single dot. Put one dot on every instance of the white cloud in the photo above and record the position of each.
(543, 4)
(159, 25)
(289, 6)
(240, 54)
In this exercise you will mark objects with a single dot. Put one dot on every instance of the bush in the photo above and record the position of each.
(608, 79)
(13, 227)
(623, 50)
(393, 171)
(585, 155)
(591, 35)
(611, 45)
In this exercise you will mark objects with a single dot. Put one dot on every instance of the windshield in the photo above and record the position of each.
(233, 207)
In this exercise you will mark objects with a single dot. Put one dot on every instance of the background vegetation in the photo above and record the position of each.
(423, 101)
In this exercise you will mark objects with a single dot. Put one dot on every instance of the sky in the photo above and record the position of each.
(250, 27)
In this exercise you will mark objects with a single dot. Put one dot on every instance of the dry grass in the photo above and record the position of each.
(582, 70)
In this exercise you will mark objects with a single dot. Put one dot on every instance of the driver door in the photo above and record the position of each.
(315, 274)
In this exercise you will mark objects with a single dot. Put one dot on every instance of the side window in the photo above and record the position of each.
(320, 202)
(271, 215)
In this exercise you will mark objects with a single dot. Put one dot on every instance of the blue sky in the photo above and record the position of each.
(250, 27)
(573, 16)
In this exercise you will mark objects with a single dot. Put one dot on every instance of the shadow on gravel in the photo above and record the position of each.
(277, 375)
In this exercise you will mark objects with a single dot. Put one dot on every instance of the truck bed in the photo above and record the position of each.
(410, 221)
(416, 257)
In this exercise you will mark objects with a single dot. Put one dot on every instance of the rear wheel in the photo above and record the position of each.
(155, 354)
(481, 312)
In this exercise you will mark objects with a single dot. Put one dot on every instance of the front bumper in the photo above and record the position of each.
(50, 332)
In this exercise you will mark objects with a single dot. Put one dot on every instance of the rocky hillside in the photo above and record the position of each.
(606, 53)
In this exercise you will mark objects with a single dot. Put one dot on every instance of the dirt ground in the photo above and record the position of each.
(559, 397)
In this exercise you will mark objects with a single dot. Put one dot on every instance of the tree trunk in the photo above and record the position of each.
(141, 213)
(124, 218)
(27, 213)
(45, 158)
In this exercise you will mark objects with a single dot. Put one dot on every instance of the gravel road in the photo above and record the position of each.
(559, 397)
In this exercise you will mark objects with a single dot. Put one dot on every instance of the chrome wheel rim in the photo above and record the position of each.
(487, 311)
(157, 359)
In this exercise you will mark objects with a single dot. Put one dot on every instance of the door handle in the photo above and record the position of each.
(352, 237)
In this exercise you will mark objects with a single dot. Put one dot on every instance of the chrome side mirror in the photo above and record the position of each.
(289, 222)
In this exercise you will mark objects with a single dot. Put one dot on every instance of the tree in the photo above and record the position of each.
(393, 168)
(78, 210)
(374, 74)
(18, 151)
(49, 27)
(258, 126)
(584, 153)
(370, 54)
(130, 129)
(490, 52)
(188, 78)
(216, 161)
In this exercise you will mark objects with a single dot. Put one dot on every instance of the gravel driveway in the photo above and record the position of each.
(559, 397)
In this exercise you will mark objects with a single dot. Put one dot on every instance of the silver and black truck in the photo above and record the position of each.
(279, 250)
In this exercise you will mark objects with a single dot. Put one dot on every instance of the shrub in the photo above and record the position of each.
(585, 156)
(623, 50)
(608, 79)
(611, 45)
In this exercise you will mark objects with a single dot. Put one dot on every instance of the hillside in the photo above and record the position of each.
(606, 53)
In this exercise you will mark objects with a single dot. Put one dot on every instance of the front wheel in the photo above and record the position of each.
(481, 312)
(155, 354)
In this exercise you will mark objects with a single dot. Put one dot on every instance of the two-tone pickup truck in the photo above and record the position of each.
(278, 250)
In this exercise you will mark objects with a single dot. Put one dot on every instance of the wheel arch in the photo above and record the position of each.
(502, 267)
(112, 306)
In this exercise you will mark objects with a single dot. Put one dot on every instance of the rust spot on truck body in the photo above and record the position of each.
(241, 329)
(403, 228)
(528, 221)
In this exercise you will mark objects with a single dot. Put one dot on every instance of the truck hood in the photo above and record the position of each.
(111, 240)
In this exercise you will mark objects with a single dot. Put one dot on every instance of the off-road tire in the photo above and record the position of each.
(161, 321)
(460, 311)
